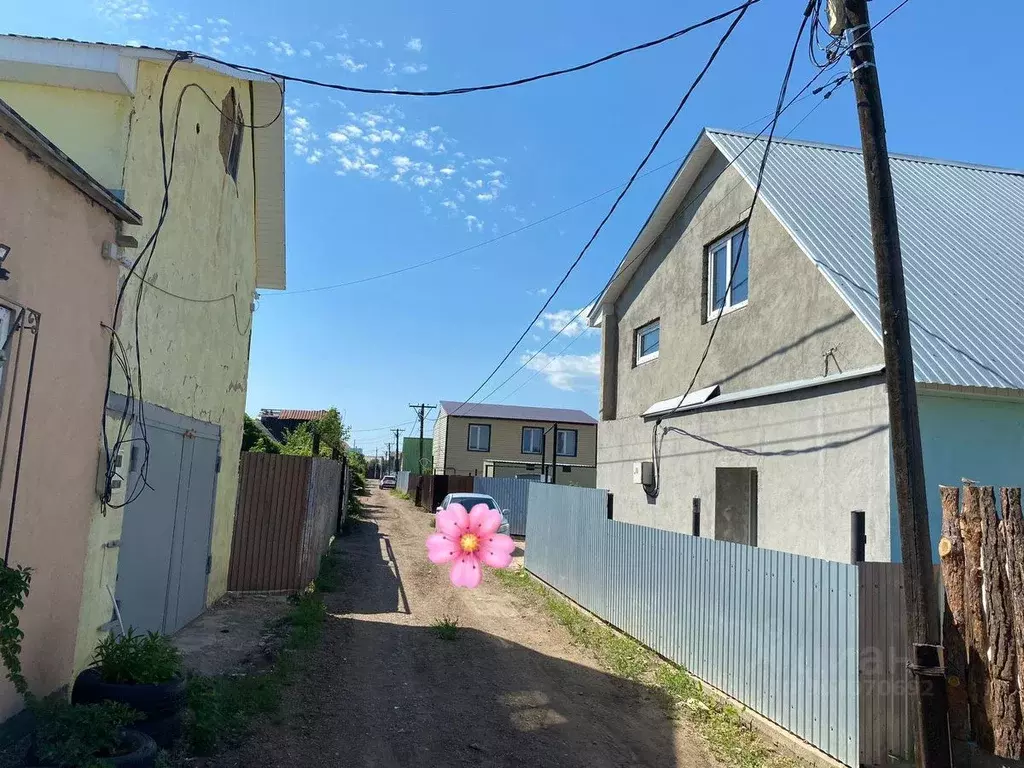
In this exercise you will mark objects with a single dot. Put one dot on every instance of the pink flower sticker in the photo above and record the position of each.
(469, 540)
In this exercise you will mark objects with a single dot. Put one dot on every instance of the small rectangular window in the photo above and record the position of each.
(566, 442)
(479, 437)
(533, 439)
(728, 279)
(647, 342)
(858, 536)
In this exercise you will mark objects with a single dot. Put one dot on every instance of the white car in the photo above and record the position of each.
(388, 481)
(469, 500)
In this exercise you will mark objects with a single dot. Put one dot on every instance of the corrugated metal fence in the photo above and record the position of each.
(402, 481)
(286, 512)
(512, 494)
(777, 632)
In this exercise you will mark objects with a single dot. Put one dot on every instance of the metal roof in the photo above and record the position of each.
(961, 236)
(516, 412)
(300, 415)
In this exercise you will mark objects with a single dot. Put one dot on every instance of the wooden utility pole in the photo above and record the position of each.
(398, 448)
(930, 703)
(421, 414)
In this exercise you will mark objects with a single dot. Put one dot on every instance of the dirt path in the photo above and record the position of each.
(384, 690)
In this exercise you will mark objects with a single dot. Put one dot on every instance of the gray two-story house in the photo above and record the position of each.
(782, 440)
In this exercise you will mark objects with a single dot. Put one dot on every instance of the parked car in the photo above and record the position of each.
(469, 500)
(388, 481)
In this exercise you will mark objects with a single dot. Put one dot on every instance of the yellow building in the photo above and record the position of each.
(214, 238)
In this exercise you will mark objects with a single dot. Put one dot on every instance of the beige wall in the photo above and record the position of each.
(506, 444)
(56, 236)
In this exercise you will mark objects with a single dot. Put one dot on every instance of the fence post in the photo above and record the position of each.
(343, 495)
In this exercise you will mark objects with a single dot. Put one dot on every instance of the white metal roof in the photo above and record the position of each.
(961, 236)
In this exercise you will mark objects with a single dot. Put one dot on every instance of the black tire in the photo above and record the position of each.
(154, 700)
(166, 731)
(143, 752)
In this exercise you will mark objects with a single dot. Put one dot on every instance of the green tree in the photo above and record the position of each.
(255, 440)
(333, 434)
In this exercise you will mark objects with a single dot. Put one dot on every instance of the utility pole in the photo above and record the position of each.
(398, 448)
(421, 415)
(927, 664)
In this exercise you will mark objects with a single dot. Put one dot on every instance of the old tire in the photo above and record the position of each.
(143, 752)
(165, 731)
(154, 700)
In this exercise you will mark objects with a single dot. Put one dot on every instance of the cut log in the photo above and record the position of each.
(975, 636)
(1002, 702)
(1012, 528)
(951, 557)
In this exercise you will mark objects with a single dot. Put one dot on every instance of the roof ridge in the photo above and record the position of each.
(857, 151)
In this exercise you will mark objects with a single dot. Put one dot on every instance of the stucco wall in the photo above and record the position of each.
(56, 237)
(194, 353)
(819, 455)
(966, 436)
(792, 318)
(507, 444)
(89, 126)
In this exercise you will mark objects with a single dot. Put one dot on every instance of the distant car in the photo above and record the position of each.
(388, 481)
(469, 500)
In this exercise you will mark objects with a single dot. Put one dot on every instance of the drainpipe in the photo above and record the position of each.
(609, 361)
(554, 453)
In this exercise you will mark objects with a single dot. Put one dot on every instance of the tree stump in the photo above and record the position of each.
(951, 558)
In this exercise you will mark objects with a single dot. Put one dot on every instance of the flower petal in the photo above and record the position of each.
(466, 572)
(496, 550)
(452, 522)
(483, 520)
(441, 549)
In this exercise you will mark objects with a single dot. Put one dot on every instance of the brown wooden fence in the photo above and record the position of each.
(286, 512)
(433, 488)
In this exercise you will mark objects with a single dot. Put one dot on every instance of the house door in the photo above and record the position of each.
(164, 558)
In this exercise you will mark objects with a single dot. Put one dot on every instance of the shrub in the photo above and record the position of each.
(76, 736)
(14, 584)
(133, 658)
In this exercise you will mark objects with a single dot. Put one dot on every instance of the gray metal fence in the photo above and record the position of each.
(402, 481)
(512, 494)
(775, 631)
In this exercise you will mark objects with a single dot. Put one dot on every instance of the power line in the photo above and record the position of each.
(740, 9)
(621, 195)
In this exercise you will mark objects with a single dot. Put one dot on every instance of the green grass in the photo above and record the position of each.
(329, 578)
(446, 628)
(401, 495)
(729, 739)
(222, 708)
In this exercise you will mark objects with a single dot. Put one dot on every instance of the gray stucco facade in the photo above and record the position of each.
(819, 453)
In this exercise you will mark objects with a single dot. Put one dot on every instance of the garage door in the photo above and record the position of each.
(164, 558)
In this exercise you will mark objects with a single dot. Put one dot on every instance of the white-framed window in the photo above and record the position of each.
(565, 443)
(479, 437)
(647, 342)
(533, 439)
(728, 273)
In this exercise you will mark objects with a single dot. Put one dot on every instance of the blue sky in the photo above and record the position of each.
(376, 183)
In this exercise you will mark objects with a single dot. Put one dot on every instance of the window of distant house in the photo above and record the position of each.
(728, 270)
(647, 339)
(566, 442)
(479, 437)
(533, 439)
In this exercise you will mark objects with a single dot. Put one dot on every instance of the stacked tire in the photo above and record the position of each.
(162, 705)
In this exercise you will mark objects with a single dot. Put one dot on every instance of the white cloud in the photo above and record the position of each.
(472, 222)
(414, 69)
(483, 162)
(280, 47)
(338, 137)
(567, 372)
(305, 53)
(478, 184)
(124, 10)
(317, 44)
(562, 321)
(414, 44)
(402, 163)
(314, 157)
(447, 170)
(390, 68)
(346, 61)
(486, 197)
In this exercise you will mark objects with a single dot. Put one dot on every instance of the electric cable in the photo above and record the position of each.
(740, 9)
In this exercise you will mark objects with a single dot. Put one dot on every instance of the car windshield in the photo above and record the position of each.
(470, 501)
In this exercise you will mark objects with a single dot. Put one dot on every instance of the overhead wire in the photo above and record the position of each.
(740, 9)
(654, 146)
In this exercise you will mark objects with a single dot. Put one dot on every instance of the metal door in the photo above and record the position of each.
(166, 534)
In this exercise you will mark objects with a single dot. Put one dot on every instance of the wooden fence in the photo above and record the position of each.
(433, 488)
(286, 512)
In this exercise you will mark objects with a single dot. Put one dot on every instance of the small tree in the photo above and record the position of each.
(299, 441)
(255, 440)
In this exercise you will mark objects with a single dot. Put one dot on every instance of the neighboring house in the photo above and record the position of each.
(57, 223)
(280, 422)
(783, 441)
(165, 556)
(419, 461)
(516, 441)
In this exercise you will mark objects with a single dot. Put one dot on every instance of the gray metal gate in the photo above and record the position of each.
(164, 559)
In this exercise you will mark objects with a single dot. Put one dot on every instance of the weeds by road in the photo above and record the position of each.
(729, 738)
(401, 495)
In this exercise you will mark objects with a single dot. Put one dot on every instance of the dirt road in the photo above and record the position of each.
(385, 690)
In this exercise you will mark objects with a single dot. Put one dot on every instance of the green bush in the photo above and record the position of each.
(14, 584)
(132, 658)
(77, 736)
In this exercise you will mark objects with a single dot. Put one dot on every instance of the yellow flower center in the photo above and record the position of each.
(469, 543)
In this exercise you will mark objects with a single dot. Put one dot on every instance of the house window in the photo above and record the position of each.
(480, 437)
(647, 339)
(533, 439)
(728, 268)
(565, 443)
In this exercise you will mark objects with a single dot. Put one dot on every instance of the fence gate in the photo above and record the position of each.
(164, 560)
